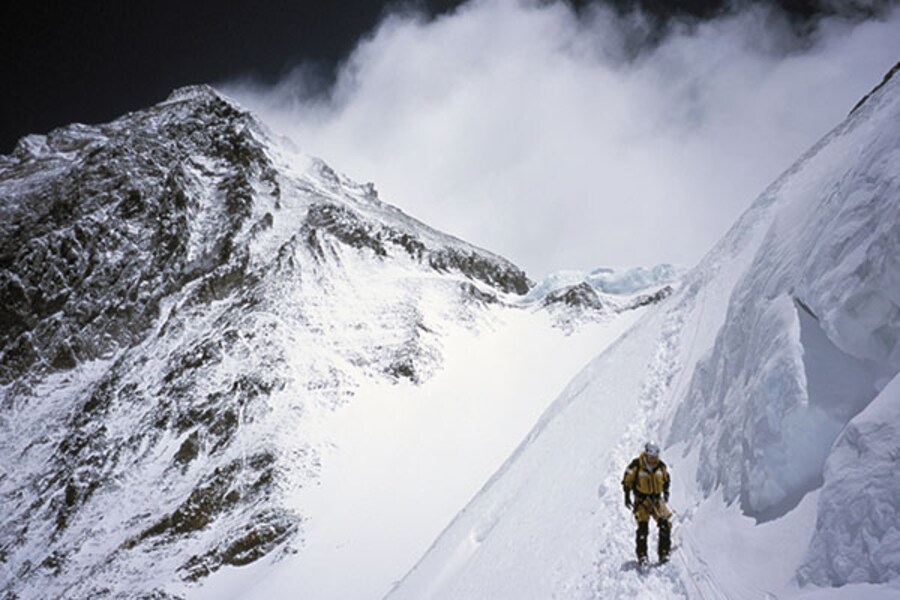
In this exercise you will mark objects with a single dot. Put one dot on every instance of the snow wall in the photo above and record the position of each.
(797, 392)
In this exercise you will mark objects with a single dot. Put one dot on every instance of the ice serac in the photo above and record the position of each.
(857, 539)
(573, 298)
(169, 332)
(812, 330)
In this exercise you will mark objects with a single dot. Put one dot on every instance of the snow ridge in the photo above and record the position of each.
(610, 580)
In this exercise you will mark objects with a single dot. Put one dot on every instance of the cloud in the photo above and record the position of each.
(538, 133)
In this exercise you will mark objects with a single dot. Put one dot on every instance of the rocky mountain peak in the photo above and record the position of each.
(101, 223)
(173, 284)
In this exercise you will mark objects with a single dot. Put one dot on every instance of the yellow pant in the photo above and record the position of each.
(646, 508)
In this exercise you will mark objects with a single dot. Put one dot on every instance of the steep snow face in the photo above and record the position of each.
(405, 459)
(770, 374)
(813, 327)
(538, 529)
(810, 341)
(857, 537)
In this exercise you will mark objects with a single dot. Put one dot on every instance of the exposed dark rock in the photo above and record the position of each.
(581, 295)
(475, 293)
(887, 78)
(403, 368)
(657, 296)
(494, 272)
(349, 228)
(261, 534)
(136, 254)
(345, 225)
(104, 241)
(64, 357)
(155, 595)
(189, 449)
(236, 481)
(54, 562)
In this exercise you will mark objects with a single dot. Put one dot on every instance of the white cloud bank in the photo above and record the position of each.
(520, 127)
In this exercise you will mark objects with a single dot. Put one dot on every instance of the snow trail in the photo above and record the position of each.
(613, 578)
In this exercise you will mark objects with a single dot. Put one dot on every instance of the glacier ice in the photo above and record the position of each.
(857, 538)
(608, 280)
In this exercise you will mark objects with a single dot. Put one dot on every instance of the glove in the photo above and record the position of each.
(627, 499)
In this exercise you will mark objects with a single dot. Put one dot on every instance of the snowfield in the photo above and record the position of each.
(405, 458)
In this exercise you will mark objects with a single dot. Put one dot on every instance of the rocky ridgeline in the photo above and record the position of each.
(97, 227)
(99, 231)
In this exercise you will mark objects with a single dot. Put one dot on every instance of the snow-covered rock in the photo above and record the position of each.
(608, 280)
(228, 371)
(574, 298)
(182, 298)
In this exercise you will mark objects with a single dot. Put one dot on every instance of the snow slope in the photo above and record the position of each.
(404, 460)
(770, 377)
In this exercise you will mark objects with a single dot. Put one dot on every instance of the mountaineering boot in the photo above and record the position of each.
(665, 540)
(641, 541)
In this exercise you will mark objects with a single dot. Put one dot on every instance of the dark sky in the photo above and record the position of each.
(91, 61)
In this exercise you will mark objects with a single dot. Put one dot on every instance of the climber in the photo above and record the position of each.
(648, 478)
